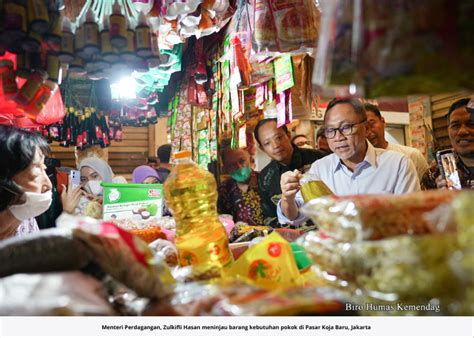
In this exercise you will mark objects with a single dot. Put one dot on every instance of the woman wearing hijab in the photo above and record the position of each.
(87, 199)
(145, 174)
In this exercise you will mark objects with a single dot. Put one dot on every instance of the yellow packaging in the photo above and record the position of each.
(314, 189)
(269, 264)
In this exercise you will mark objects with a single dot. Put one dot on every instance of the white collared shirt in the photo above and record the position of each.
(381, 172)
(413, 154)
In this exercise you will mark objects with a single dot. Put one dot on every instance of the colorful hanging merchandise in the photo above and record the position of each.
(285, 26)
(83, 126)
(30, 102)
(183, 19)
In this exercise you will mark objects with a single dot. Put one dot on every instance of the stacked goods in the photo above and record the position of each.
(372, 217)
(395, 248)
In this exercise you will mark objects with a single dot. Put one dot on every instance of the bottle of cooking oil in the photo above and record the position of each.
(191, 195)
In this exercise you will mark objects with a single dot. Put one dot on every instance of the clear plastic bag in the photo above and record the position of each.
(363, 217)
(53, 294)
(393, 48)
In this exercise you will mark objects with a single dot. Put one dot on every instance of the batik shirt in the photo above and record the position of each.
(466, 176)
(269, 180)
(243, 206)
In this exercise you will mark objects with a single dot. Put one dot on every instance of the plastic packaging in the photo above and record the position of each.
(360, 217)
(91, 34)
(269, 264)
(29, 90)
(67, 42)
(122, 255)
(118, 27)
(311, 189)
(40, 100)
(369, 50)
(143, 36)
(191, 195)
(7, 75)
(53, 294)
(38, 18)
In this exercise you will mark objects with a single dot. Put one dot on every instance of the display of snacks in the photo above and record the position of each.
(363, 217)
(148, 234)
(407, 267)
(242, 232)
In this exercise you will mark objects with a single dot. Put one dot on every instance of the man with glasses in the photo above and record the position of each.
(276, 143)
(376, 136)
(355, 167)
(461, 136)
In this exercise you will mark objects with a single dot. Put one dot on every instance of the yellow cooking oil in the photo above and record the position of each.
(191, 195)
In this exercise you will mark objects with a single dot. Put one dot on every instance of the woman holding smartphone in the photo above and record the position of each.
(86, 199)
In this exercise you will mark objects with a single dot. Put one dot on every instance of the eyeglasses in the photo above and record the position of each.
(345, 129)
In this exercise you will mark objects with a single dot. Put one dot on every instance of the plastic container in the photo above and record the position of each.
(91, 34)
(38, 17)
(67, 43)
(53, 67)
(191, 195)
(8, 82)
(30, 88)
(106, 50)
(312, 188)
(14, 21)
(41, 99)
(118, 27)
(143, 37)
(128, 54)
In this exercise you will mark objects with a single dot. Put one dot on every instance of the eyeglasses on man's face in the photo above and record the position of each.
(346, 129)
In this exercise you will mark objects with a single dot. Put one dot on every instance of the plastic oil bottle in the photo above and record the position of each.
(191, 195)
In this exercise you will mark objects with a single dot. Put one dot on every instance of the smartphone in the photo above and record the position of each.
(447, 166)
(75, 178)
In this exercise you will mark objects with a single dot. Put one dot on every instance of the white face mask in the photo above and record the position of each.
(94, 188)
(34, 205)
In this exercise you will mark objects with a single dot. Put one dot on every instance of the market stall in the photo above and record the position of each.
(116, 79)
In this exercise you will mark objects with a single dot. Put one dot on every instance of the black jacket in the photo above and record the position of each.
(269, 180)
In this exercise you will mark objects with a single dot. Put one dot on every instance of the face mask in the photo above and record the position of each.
(241, 175)
(94, 188)
(35, 205)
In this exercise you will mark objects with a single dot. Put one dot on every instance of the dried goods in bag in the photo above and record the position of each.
(360, 217)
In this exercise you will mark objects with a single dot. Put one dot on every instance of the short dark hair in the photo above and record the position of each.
(356, 105)
(320, 133)
(458, 104)
(296, 136)
(164, 153)
(373, 108)
(17, 151)
(264, 121)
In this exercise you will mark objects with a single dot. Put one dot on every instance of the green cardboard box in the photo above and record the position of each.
(133, 205)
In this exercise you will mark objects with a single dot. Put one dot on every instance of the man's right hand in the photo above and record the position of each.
(290, 184)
